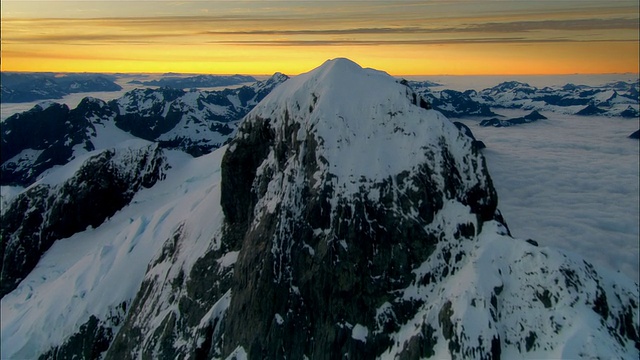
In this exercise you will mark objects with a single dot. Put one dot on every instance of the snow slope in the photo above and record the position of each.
(95, 271)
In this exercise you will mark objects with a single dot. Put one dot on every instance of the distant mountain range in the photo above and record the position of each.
(26, 87)
(198, 81)
(617, 99)
(613, 99)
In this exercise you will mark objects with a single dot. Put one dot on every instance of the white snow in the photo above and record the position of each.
(109, 135)
(238, 354)
(7, 193)
(360, 333)
(24, 158)
(98, 269)
(228, 259)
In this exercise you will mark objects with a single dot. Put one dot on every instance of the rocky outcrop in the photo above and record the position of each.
(531, 117)
(51, 135)
(478, 144)
(591, 110)
(630, 112)
(455, 104)
(44, 213)
(36, 140)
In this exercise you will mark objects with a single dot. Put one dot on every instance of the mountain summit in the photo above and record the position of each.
(347, 220)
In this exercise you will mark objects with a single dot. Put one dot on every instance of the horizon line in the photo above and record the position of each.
(266, 74)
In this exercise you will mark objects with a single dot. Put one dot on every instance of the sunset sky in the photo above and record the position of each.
(261, 37)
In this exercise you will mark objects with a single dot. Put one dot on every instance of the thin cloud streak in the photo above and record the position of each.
(515, 40)
(554, 25)
(502, 27)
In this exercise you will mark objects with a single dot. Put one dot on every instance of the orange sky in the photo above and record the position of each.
(261, 37)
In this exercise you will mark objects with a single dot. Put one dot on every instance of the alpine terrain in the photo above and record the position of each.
(345, 219)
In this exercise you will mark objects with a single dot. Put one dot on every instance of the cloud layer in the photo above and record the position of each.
(570, 182)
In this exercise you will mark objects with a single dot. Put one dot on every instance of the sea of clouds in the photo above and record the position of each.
(570, 182)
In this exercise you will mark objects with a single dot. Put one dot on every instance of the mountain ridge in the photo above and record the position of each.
(196, 122)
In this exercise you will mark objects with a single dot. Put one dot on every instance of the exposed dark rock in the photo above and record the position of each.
(456, 104)
(535, 115)
(40, 129)
(564, 100)
(630, 112)
(148, 122)
(91, 340)
(177, 121)
(531, 117)
(477, 144)
(591, 110)
(532, 242)
(361, 253)
(635, 135)
(200, 296)
(52, 132)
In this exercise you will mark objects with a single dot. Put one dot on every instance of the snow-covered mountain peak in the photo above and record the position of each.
(342, 169)
(330, 85)
(360, 119)
(362, 215)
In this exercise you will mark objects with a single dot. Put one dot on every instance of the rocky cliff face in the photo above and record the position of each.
(335, 229)
(340, 222)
